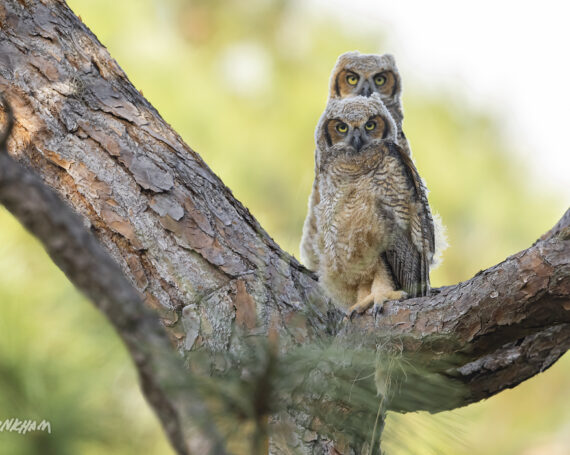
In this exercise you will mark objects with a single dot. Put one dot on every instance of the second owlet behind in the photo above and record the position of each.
(375, 235)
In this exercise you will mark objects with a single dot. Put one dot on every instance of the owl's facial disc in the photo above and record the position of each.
(383, 83)
(374, 128)
(355, 133)
(347, 83)
(336, 131)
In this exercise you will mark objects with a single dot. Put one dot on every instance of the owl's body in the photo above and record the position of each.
(373, 233)
(352, 232)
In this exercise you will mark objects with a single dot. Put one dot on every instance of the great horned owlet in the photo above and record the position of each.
(374, 233)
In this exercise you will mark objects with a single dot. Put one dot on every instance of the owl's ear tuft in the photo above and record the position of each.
(390, 58)
(348, 55)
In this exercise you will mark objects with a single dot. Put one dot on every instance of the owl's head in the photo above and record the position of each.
(350, 124)
(364, 74)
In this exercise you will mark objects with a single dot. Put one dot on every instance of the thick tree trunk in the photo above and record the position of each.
(199, 258)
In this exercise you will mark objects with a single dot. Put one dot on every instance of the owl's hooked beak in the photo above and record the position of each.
(357, 141)
(366, 90)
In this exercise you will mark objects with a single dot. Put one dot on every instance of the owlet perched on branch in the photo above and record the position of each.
(374, 232)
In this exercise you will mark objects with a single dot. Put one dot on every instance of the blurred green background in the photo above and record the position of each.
(244, 84)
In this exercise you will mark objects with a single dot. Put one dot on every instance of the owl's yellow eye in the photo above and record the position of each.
(370, 125)
(342, 128)
(379, 79)
(352, 79)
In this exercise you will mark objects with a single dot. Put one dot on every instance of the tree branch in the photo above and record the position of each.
(80, 256)
(202, 261)
(493, 331)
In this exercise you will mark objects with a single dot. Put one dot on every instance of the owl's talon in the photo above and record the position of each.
(353, 312)
(361, 306)
(348, 316)
(377, 309)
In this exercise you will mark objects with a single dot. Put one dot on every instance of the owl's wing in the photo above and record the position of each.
(413, 243)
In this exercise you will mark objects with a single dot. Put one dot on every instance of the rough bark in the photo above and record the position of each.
(82, 258)
(199, 258)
